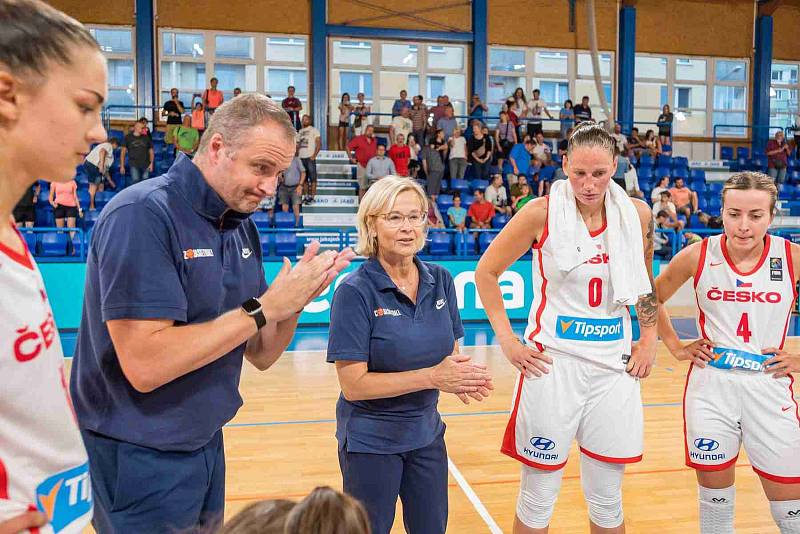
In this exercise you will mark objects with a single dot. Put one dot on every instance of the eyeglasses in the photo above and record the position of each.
(395, 220)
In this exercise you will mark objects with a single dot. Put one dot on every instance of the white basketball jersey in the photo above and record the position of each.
(572, 312)
(745, 311)
(43, 463)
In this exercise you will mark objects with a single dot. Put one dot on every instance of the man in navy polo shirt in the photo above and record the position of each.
(175, 298)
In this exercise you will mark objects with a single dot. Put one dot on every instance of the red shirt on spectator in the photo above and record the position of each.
(481, 212)
(772, 144)
(512, 118)
(400, 155)
(364, 148)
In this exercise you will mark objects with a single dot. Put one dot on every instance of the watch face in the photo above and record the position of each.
(251, 305)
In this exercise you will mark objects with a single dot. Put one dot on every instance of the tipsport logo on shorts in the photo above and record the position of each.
(585, 329)
(65, 497)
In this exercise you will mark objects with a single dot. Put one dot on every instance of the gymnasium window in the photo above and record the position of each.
(254, 62)
(783, 93)
(116, 42)
(558, 74)
(381, 69)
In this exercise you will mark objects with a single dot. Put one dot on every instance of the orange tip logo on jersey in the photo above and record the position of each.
(66, 497)
(565, 325)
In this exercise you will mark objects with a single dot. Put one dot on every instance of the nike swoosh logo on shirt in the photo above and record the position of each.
(440, 304)
(786, 409)
(712, 264)
(246, 253)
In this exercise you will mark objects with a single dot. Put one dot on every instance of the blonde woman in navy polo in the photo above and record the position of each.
(394, 338)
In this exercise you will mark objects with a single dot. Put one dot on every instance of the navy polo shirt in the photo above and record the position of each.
(373, 321)
(166, 248)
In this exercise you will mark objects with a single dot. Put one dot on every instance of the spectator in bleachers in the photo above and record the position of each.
(480, 153)
(436, 113)
(621, 140)
(666, 205)
(199, 117)
(187, 139)
(537, 106)
(447, 123)
(25, 210)
(309, 144)
(630, 178)
(435, 219)
(493, 147)
(261, 517)
(458, 155)
(66, 208)
(414, 150)
(505, 137)
(514, 188)
(433, 164)
(361, 149)
(145, 127)
(480, 211)
(292, 106)
(477, 109)
(515, 164)
(327, 511)
(400, 155)
(564, 143)
(661, 246)
(520, 103)
(496, 195)
(559, 174)
(684, 198)
(401, 125)
(439, 143)
(173, 110)
(345, 109)
(139, 149)
(212, 98)
(777, 157)
(635, 143)
(379, 166)
(709, 221)
(567, 118)
(419, 118)
(457, 214)
(401, 103)
(290, 187)
(662, 185)
(582, 111)
(665, 126)
(361, 118)
(525, 196)
(542, 151)
(237, 91)
(97, 165)
(652, 144)
(513, 116)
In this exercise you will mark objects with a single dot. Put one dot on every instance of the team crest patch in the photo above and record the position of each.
(193, 253)
(776, 269)
(776, 263)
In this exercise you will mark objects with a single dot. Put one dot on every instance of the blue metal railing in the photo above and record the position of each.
(107, 111)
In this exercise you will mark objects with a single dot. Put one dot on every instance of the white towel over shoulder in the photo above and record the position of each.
(574, 246)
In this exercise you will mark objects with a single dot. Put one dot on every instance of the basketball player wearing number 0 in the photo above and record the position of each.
(739, 386)
(579, 373)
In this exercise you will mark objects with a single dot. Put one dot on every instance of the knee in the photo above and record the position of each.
(537, 496)
(602, 488)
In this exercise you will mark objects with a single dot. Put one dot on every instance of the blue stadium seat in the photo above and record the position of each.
(476, 185)
(89, 219)
(286, 243)
(266, 243)
(664, 161)
(283, 220)
(102, 198)
(793, 164)
(645, 160)
(159, 136)
(726, 152)
(698, 187)
(444, 202)
(484, 240)
(461, 186)
(465, 240)
(694, 222)
(645, 173)
(382, 141)
(54, 244)
(787, 192)
(680, 172)
(30, 240)
(742, 152)
(44, 216)
(76, 245)
(262, 219)
(466, 201)
(119, 135)
(793, 177)
(702, 203)
(440, 243)
(663, 171)
(758, 163)
(84, 199)
(714, 205)
(697, 175)
(500, 220)
(680, 162)
(667, 149)
(713, 189)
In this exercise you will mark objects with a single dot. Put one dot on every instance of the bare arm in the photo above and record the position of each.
(647, 307)
(264, 348)
(673, 275)
(317, 147)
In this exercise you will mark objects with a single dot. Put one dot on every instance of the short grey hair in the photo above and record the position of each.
(233, 120)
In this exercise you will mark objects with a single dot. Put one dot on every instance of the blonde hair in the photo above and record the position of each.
(326, 511)
(748, 180)
(380, 197)
(264, 517)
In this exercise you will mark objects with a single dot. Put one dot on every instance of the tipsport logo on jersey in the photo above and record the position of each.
(586, 329)
(65, 497)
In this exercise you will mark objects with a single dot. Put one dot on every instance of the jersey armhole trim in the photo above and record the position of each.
(790, 265)
(701, 261)
(23, 258)
(546, 231)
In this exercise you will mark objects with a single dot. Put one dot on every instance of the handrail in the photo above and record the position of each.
(84, 241)
(105, 114)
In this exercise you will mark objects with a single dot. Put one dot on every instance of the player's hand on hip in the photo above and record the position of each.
(528, 361)
(23, 523)
(643, 357)
(699, 352)
(782, 363)
(458, 374)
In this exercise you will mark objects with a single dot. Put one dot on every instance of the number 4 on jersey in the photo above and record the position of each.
(743, 330)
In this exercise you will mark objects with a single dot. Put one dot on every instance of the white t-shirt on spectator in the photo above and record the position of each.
(541, 152)
(496, 196)
(307, 141)
(622, 142)
(655, 194)
(669, 207)
(535, 109)
(458, 148)
(94, 156)
(403, 126)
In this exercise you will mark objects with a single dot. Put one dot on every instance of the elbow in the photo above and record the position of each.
(142, 378)
(351, 394)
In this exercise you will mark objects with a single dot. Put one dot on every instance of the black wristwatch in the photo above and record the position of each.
(252, 307)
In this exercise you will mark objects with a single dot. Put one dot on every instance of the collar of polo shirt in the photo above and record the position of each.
(205, 201)
(383, 281)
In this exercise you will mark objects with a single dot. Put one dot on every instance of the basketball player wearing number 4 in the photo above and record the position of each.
(739, 385)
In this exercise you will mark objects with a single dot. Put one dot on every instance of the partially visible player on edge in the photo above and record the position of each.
(578, 369)
(739, 386)
(52, 79)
